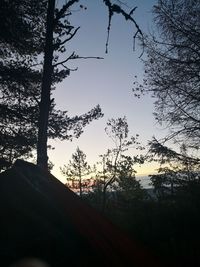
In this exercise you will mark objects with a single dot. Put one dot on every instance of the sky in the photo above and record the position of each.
(106, 82)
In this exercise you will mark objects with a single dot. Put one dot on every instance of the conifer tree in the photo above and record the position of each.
(77, 169)
(29, 115)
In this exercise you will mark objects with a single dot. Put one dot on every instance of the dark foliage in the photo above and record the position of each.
(172, 68)
(28, 111)
(22, 45)
(166, 217)
(168, 227)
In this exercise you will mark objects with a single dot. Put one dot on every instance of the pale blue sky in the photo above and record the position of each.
(106, 82)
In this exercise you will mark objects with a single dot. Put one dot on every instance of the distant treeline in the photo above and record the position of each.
(167, 224)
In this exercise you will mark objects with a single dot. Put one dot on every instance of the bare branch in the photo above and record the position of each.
(69, 68)
(113, 8)
(74, 56)
(64, 8)
(59, 44)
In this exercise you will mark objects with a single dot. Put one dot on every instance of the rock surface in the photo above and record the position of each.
(42, 218)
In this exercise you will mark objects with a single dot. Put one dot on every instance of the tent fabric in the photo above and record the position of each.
(42, 218)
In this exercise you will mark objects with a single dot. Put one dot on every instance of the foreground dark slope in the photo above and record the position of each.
(40, 217)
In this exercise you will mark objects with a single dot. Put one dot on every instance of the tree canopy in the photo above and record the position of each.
(20, 83)
(31, 67)
(76, 170)
(172, 68)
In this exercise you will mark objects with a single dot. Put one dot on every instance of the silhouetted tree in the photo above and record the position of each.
(22, 24)
(46, 31)
(176, 171)
(172, 68)
(77, 170)
(21, 79)
(57, 23)
(128, 187)
(116, 165)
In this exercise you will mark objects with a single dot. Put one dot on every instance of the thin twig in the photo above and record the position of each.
(73, 56)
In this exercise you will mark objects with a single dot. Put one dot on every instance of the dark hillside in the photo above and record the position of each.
(42, 218)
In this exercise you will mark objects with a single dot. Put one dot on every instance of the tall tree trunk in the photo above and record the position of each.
(42, 158)
(80, 181)
(80, 187)
(104, 199)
